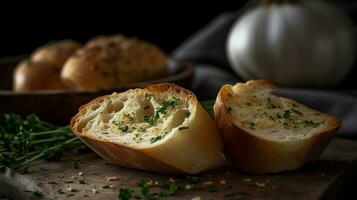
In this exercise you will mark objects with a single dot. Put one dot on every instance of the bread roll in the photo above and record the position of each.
(35, 75)
(111, 61)
(56, 52)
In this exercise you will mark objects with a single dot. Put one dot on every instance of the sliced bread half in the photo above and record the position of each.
(264, 133)
(161, 128)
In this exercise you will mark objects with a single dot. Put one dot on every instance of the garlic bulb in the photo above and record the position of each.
(307, 43)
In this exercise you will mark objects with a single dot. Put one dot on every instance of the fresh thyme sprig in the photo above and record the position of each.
(24, 140)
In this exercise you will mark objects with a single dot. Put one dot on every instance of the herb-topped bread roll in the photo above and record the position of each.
(35, 75)
(161, 128)
(55, 52)
(110, 61)
(263, 133)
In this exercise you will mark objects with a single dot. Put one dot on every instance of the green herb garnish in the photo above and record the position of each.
(144, 188)
(161, 110)
(270, 104)
(310, 123)
(155, 139)
(212, 188)
(297, 112)
(68, 181)
(81, 180)
(24, 140)
(251, 125)
(124, 128)
(182, 128)
(286, 114)
(60, 191)
(170, 187)
(105, 187)
(35, 193)
(125, 193)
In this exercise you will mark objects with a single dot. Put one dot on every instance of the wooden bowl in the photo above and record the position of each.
(60, 105)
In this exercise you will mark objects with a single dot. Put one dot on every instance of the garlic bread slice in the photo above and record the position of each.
(161, 128)
(264, 133)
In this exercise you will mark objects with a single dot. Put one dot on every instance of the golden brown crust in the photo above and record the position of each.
(152, 158)
(111, 61)
(30, 75)
(252, 153)
(56, 52)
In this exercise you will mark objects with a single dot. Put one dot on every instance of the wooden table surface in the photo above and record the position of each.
(330, 177)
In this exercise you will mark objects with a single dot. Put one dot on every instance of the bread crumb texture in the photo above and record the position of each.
(260, 112)
(137, 118)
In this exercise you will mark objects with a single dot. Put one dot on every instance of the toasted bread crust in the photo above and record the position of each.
(155, 159)
(36, 75)
(252, 153)
(111, 61)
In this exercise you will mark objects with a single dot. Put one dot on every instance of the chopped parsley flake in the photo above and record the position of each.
(162, 109)
(248, 103)
(125, 193)
(297, 112)
(170, 187)
(124, 128)
(81, 181)
(310, 123)
(212, 188)
(68, 181)
(60, 191)
(270, 104)
(251, 125)
(155, 139)
(286, 114)
(182, 128)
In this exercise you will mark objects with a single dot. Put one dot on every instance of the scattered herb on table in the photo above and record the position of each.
(212, 188)
(35, 193)
(125, 193)
(144, 191)
(81, 180)
(60, 191)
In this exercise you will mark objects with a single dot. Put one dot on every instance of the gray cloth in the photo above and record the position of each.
(206, 48)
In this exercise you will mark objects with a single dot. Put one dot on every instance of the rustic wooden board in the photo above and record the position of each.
(327, 178)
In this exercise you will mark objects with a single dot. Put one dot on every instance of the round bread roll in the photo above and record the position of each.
(35, 75)
(56, 52)
(109, 61)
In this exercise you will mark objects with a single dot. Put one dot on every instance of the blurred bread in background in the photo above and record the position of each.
(36, 75)
(42, 71)
(110, 61)
(56, 52)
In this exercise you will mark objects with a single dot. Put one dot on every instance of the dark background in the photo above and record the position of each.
(166, 24)
(25, 26)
